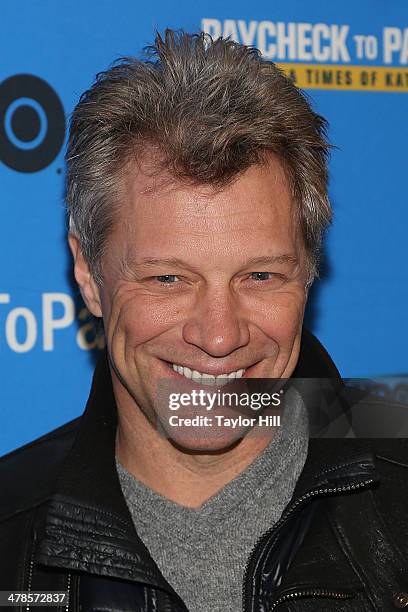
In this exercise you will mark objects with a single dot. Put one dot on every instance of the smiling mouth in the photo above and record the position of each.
(210, 380)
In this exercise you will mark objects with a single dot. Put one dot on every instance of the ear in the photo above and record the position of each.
(88, 287)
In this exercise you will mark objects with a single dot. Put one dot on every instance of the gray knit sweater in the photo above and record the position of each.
(203, 552)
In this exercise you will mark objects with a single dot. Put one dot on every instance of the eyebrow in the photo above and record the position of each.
(272, 259)
(166, 261)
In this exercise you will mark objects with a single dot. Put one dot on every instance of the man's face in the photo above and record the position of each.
(212, 281)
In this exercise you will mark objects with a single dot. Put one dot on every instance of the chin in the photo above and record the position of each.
(205, 440)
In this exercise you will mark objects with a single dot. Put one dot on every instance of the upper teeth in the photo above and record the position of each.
(207, 379)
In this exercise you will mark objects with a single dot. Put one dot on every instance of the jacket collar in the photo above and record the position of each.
(88, 501)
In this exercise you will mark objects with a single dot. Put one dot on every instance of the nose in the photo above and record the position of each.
(216, 324)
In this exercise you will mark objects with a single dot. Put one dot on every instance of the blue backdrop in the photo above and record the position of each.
(353, 59)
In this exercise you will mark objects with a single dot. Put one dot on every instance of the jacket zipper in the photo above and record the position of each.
(301, 500)
(68, 593)
(30, 578)
(310, 593)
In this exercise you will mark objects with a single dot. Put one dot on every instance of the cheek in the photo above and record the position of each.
(281, 319)
(285, 328)
(136, 318)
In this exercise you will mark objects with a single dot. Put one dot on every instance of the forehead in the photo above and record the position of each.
(254, 210)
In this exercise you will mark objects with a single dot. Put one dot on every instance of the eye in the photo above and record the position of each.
(268, 281)
(261, 276)
(167, 279)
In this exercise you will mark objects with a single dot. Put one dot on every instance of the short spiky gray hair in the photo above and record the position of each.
(210, 109)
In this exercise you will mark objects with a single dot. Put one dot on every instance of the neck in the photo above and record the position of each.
(184, 476)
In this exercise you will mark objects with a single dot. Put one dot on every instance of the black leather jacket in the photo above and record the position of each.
(341, 544)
